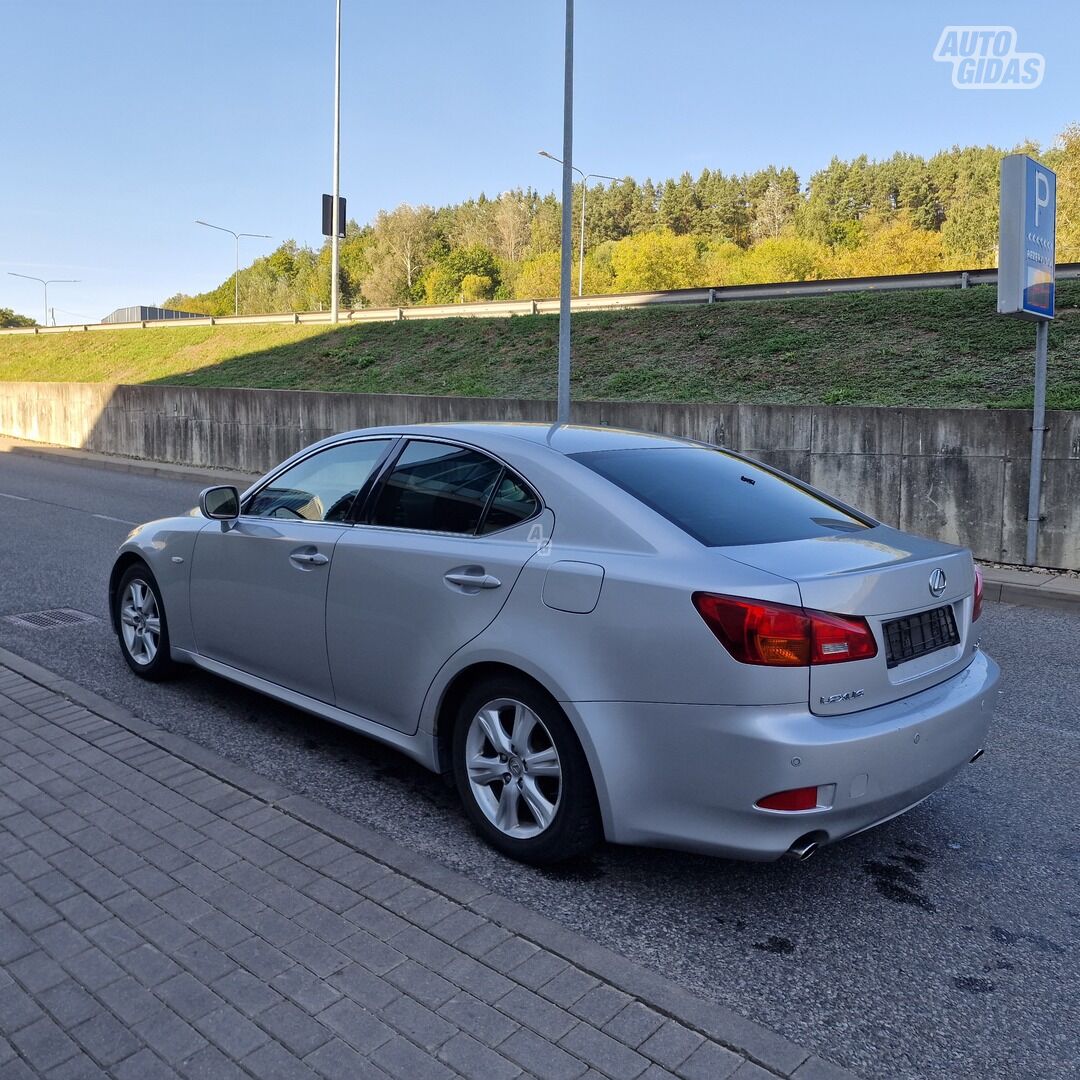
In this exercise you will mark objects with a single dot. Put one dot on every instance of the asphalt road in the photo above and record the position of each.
(943, 944)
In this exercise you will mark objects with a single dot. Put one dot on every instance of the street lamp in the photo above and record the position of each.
(237, 235)
(335, 244)
(566, 239)
(585, 178)
(46, 284)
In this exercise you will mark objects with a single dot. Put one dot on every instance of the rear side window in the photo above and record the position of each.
(437, 487)
(718, 498)
(512, 502)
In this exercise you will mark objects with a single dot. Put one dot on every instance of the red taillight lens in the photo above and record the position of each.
(756, 633)
(778, 635)
(804, 798)
(836, 638)
(976, 607)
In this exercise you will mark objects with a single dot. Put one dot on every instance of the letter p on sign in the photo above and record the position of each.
(1042, 194)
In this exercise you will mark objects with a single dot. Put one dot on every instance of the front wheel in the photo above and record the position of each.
(141, 625)
(522, 774)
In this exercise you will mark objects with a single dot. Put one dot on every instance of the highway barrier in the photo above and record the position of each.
(495, 309)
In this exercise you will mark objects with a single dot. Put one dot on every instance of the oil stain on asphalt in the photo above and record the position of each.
(898, 880)
(1009, 937)
(782, 946)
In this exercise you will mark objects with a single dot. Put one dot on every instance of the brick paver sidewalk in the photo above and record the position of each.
(164, 912)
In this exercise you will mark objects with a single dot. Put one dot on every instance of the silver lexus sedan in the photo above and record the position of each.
(596, 633)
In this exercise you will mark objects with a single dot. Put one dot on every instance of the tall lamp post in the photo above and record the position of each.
(46, 284)
(236, 235)
(585, 178)
(335, 243)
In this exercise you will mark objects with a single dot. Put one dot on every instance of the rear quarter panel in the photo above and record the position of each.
(643, 640)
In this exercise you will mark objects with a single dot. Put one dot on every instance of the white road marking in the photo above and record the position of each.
(61, 506)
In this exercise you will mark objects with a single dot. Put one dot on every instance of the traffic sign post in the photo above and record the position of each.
(1026, 266)
(328, 215)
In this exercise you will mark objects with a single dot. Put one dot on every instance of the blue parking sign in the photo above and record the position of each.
(1026, 238)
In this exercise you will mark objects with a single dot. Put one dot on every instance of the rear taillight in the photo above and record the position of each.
(976, 607)
(835, 638)
(756, 633)
(779, 635)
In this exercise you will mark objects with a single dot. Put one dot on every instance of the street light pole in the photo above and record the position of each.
(585, 178)
(335, 245)
(46, 284)
(236, 235)
(563, 416)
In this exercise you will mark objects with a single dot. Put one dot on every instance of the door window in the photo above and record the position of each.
(438, 488)
(322, 487)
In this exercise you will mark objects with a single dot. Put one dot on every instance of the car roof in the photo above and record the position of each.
(562, 438)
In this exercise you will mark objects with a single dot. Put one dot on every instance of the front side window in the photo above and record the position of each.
(438, 488)
(322, 487)
(718, 498)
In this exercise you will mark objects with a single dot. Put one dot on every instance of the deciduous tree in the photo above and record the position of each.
(655, 260)
(538, 278)
(9, 318)
(404, 235)
(772, 213)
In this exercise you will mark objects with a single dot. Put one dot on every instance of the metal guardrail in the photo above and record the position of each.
(943, 279)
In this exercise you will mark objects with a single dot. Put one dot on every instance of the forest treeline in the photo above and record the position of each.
(10, 318)
(905, 214)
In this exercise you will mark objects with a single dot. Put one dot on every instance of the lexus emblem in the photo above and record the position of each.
(937, 582)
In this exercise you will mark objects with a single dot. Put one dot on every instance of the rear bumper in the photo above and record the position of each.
(687, 776)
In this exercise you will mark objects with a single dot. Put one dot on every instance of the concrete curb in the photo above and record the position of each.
(755, 1041)
(1032, 588)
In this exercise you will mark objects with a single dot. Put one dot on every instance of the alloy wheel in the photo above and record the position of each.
(140, 622)
(513, 768)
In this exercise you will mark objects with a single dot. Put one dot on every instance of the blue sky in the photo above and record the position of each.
(124, 120)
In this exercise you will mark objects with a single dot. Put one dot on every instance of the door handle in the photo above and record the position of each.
(310, 558)
(473, 580)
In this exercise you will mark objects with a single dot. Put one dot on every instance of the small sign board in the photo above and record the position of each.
(1026, 238)
(328, 215)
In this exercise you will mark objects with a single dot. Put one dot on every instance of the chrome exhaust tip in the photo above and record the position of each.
(978, 754)
(802, 850)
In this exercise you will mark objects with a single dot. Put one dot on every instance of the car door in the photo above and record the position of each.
(258, 585)
(428, 567)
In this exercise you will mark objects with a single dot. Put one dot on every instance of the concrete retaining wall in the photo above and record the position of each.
(956, 474)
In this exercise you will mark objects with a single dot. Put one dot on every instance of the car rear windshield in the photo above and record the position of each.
(719, 498)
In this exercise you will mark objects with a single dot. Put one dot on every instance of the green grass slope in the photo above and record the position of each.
(933, 348)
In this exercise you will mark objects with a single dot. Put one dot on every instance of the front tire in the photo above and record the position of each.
(521, 773)
(141, 625)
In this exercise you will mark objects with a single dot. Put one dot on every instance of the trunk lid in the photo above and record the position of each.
(885, 576)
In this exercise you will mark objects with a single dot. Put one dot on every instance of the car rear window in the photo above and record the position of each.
(719, 498)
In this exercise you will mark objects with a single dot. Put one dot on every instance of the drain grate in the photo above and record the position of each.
(53, 619)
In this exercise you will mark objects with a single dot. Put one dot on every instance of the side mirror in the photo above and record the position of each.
(220, 503)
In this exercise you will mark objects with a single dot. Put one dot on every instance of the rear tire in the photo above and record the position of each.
(141, 626)
(521, 773)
